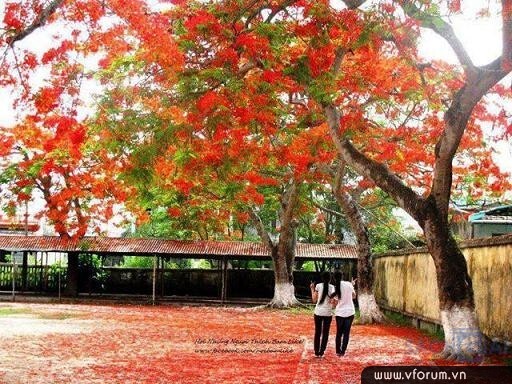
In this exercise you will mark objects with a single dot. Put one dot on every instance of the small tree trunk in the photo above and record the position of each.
(368, 309)
(72, 275)
(463, 338)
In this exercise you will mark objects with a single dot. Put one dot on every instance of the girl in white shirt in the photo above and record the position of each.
(344, 311)
(320, 294)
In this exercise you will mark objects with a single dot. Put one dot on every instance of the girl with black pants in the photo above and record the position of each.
(323, 312)
(344, 312)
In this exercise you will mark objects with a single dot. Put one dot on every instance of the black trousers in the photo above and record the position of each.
(322, 326)
(343, 325)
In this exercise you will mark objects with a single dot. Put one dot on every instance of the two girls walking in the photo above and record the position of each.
(326, 295)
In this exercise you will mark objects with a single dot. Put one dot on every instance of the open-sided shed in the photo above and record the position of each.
(224, 251)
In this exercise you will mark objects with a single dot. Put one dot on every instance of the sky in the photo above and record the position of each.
(482, 40)
(481, 37)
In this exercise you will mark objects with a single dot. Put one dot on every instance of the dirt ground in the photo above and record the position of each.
(53, 343)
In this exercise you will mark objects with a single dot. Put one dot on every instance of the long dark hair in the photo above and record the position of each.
(326, 279)
(338, 277)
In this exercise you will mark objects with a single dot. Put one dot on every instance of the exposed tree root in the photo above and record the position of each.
(460, 356)
(278, 304)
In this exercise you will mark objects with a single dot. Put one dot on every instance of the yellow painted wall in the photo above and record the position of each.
(407, 282)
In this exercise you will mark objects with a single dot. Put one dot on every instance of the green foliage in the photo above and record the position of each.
(146, 262)
(300, 72)
(406, 321)
(201, 264)
(55, 270)
(301, 310)
(383, 238)
(161, 225)
(251, 264)
(275, 33)
(90, 269)
(8, 174)
(178, 264)
(138, 262)
(183, 155)
(308, 266)
(321, 88)
(398, 319)
(385, 230)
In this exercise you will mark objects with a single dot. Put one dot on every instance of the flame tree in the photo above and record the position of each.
(396, 118)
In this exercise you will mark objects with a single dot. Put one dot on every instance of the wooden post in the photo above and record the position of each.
(60, 266)
(162, 280)
(13, 275)
(154, 279)
(41, 274)
(221, 276)
(46, 271)
(36, 284)
(24, 268)
(224, 280)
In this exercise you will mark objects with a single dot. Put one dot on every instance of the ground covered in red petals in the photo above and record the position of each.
(42, 343)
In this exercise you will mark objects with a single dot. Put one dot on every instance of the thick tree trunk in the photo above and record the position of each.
(282, 252)
(368, 308)
(369, 311)
(284, 290)
(24, 272)
(463, 338)
(72, 275)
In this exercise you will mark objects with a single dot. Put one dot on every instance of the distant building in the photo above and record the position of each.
(17, 228)
(492, 222)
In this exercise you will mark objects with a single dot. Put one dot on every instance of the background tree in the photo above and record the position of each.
(369, 310)
(49, 154)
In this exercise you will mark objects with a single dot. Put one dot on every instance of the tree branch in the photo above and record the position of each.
(506, 11)
(278, 9)
(354, 4)
(406, 198)
(338, 59)
(456, 118)
(288, 202)
(328, 210)
(442, 28)
(40, 20)
(260, 228)
(339, 194)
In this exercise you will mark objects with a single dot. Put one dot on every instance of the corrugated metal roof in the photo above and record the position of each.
(502, 214)
(493, 220)
(183, 248)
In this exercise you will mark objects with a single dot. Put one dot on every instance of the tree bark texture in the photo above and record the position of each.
(72, 275)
